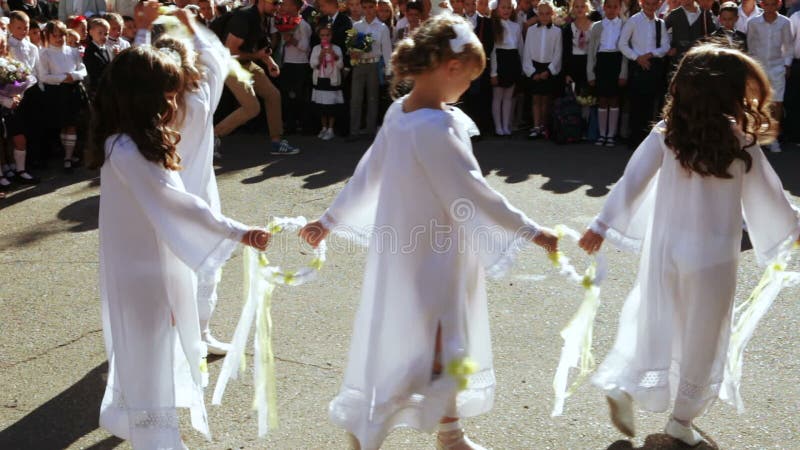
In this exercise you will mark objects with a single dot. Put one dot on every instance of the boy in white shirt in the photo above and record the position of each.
(770, 42)
(365, 69)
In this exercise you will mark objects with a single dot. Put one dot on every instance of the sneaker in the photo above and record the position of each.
(23, 177)
(4, 183)
(535, 133)
(601, 141)
(322, 133)
(68, 166)
(283, 148)
(775, 147)
(328, 135)
(610, 142)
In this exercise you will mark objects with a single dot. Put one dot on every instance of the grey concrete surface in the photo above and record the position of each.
(52, 360)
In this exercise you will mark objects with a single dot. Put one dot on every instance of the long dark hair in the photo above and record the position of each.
(131, 99)
(192, 71)
(713, 87)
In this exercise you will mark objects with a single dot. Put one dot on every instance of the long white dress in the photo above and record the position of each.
(154, 237)
(433, 225)
(196, 147)
(675, 325)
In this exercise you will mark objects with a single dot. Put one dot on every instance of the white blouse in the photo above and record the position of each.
(576, 39)
(542, 44)
(609, 38)
(512, 40)
(56, 63)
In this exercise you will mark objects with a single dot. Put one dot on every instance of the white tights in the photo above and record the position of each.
(502, 107)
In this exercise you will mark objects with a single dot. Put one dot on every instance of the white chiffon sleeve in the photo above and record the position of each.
(492, 226)
(202, 239)
(353, 211)
(771, 219)
(623, 218)
(214, 58)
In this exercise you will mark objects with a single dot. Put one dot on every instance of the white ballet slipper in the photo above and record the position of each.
(620, 405)
(451, 437)
(679, 431)
(215, 347)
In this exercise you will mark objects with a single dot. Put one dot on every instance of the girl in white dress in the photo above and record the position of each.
(682, 200)
(154, 237)
(423, 321)
(204, 63)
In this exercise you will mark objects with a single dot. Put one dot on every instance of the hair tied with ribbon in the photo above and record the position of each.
(464, 36)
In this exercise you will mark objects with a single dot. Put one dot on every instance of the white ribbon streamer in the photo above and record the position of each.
(577, 349)
(260, 280)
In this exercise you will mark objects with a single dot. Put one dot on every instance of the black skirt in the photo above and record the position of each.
(607, 72)
(547, 86)
(509, 67)
(576, 69)
(66, 103)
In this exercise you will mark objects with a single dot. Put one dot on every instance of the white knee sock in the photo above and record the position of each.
(613, 122)
(602, 121)
(497, 112)
(19, 159)
(508, 107)
(68, 141)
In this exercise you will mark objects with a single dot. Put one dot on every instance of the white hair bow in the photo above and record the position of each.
(464, 35)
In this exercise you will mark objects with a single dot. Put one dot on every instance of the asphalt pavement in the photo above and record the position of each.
(53, 364)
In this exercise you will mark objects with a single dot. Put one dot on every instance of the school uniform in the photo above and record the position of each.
(96, 58)
(687, 27)
(505, 61)
(24, 119)
(605, 63)
(772, 44)
(575, 57)
(542, 52)
(478, 98)
(639, 36)
(736, 39)
(67, 100)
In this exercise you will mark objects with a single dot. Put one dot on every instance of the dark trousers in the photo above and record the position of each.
(29, 113)
(646, 90)
(296, 96)
(791, 104)
(478, 102)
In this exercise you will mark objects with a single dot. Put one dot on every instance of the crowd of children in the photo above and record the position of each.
(614, 58)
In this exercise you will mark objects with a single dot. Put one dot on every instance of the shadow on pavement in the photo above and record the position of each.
(63, 419)
(82, 213)
(662, 441)
(52, 180)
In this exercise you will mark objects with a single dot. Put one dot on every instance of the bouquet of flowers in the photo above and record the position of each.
(15, 77)
(360, 42)
(586, 99)
(286, 24)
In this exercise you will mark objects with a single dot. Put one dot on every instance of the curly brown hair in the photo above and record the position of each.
(192, 71)
(713, 87)
(427, 48)
(132, 100)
